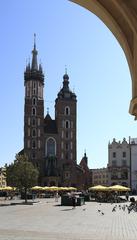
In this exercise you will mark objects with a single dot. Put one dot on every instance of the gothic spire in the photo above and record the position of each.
(34, 65)
(66, 81)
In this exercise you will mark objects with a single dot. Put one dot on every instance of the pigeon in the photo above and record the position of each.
(114, 209)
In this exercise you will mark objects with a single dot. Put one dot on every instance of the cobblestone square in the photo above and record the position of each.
(48, 220)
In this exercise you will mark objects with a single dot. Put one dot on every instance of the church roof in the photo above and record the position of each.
(50, 125)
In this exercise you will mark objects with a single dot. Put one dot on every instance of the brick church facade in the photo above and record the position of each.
(51, 144)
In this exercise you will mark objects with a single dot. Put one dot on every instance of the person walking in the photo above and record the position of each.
(73, 201)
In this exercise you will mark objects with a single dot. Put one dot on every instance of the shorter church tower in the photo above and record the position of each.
(34, 111)
(65, 116)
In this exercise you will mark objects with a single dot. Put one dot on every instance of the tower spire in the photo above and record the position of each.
(34, 65)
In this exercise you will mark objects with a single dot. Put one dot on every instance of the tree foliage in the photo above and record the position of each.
(22, 174)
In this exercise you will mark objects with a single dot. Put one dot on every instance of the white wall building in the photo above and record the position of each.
(133, 146)
(119, 163)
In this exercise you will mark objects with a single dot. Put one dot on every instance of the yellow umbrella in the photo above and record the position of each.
(36, 188)
(119, 188)
(8, 188)
(53, 188)
(46, 188)
(98, 188)
(72, 189)
(62, 188)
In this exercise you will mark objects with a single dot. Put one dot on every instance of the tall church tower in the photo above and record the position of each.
(65, 116)
(34, 111)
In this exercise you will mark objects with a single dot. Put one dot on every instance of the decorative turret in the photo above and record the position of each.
(34, 72)
(65, 91)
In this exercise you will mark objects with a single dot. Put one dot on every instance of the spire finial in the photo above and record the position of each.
(65, 69)
(34, 65)
(34, 40)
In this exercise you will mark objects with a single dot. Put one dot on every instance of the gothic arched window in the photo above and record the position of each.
(67, 124)
(33, 132)
(67, 110)
(33, 144)
(34, 101)
(51, 147)
(34, 111)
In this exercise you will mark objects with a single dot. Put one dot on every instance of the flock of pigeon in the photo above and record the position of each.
(119, 207)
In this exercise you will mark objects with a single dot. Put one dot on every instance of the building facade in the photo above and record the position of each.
(133, 149)
(119, 163)
(51, 144)
(3, 182)
(99, 176)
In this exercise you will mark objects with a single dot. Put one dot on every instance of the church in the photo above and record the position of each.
(51, 144)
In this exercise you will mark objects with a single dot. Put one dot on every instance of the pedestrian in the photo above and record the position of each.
(56, 196)
(127, 196)
(74, 201)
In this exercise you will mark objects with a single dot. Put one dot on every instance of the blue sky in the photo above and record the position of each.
(70, 35)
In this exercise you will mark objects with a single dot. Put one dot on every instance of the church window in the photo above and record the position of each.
(114, 154)
(51, 147)
(67, 124)
(67, 110)
(34, 101)
(33, 144)
(33, 132)
(34, 111)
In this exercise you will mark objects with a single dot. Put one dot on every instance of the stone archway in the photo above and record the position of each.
(120, 17)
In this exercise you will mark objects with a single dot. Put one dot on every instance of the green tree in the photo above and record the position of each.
(22, 174)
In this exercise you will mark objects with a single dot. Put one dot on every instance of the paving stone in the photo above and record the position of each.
(48, 220)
